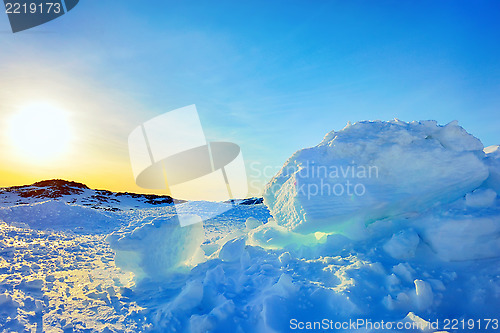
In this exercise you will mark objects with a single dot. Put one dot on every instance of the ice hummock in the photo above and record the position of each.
(374, 170)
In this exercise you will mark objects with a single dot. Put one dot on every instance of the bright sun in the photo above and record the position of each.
(40, 132)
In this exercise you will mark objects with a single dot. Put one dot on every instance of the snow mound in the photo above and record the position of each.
(375, 170)
(52, 214)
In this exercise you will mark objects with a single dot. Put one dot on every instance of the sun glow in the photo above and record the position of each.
(40, 132)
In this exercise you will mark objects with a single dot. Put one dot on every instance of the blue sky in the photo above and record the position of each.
(272, 76)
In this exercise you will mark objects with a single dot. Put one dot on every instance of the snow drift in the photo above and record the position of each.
(58, 215)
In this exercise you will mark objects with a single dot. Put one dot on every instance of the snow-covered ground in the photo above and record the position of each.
(416, 244)
(57, 270)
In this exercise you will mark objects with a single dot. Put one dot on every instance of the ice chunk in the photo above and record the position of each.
(493, 162)
(402, 245)
(417, 324)
(423, 294)
(216, 320)
(232, 250)
(463, 237)
(480, 198)
(421, 298)
(405, 271)
(157, 247)
(190, 297)
(374, 170)
(402, 301)
(454, 137)
(284, 287)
